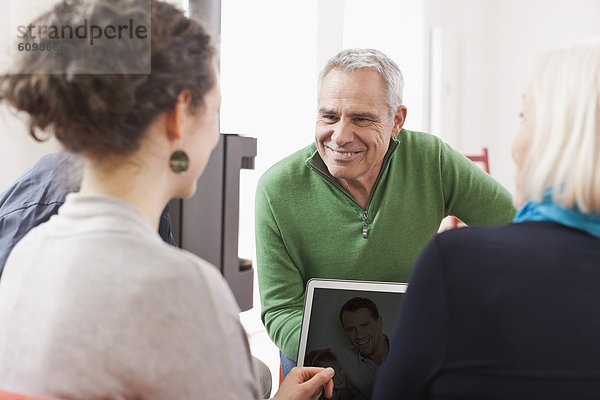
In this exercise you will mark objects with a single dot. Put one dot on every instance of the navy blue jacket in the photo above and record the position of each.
(507, 312)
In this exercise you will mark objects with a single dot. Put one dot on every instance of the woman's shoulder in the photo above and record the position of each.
(185, 265)
(512, 234)
(519, 248)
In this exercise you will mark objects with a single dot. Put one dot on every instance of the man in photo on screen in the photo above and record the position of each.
(363, 325)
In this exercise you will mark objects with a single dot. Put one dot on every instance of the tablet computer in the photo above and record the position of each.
(346, 325)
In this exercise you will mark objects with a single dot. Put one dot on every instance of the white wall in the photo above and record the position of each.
(268, 65)
(18, 150)
(489, 47)
(395, 28)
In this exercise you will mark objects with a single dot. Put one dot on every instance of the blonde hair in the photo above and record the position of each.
(564, 154)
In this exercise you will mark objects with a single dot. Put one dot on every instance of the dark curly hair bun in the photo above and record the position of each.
(110, 67)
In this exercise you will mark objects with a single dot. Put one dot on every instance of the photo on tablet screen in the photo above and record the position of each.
(347, 325)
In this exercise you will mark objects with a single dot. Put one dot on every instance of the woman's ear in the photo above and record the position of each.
(177, 115)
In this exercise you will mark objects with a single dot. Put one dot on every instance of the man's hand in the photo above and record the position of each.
(304, 383)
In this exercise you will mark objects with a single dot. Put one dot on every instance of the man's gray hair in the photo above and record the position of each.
(350, 60)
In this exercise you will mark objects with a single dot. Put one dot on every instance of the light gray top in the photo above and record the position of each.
(93, 304)
(360, 370)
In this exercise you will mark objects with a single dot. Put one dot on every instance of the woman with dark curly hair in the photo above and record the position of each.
(93, 304)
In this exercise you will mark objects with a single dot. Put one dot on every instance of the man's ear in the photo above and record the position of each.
(177, 115)
(399, 119)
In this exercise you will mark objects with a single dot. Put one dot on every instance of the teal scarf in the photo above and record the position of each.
(547, 210)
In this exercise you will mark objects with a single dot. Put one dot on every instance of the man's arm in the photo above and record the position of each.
(471, 194)
(15, 224)
(280, 282)
(32, 199)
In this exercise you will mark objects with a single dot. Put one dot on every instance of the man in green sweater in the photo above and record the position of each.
(362, 201)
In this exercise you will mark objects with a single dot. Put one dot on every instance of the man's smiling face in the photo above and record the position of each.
(354, 125)
(363, 331)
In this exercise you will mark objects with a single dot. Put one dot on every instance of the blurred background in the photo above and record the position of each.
(466, 65)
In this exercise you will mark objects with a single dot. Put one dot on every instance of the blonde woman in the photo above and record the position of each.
(511, 312)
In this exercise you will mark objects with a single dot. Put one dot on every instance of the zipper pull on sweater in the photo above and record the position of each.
(365, 224)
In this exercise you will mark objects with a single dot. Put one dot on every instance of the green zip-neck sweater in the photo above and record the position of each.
(308, 226)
